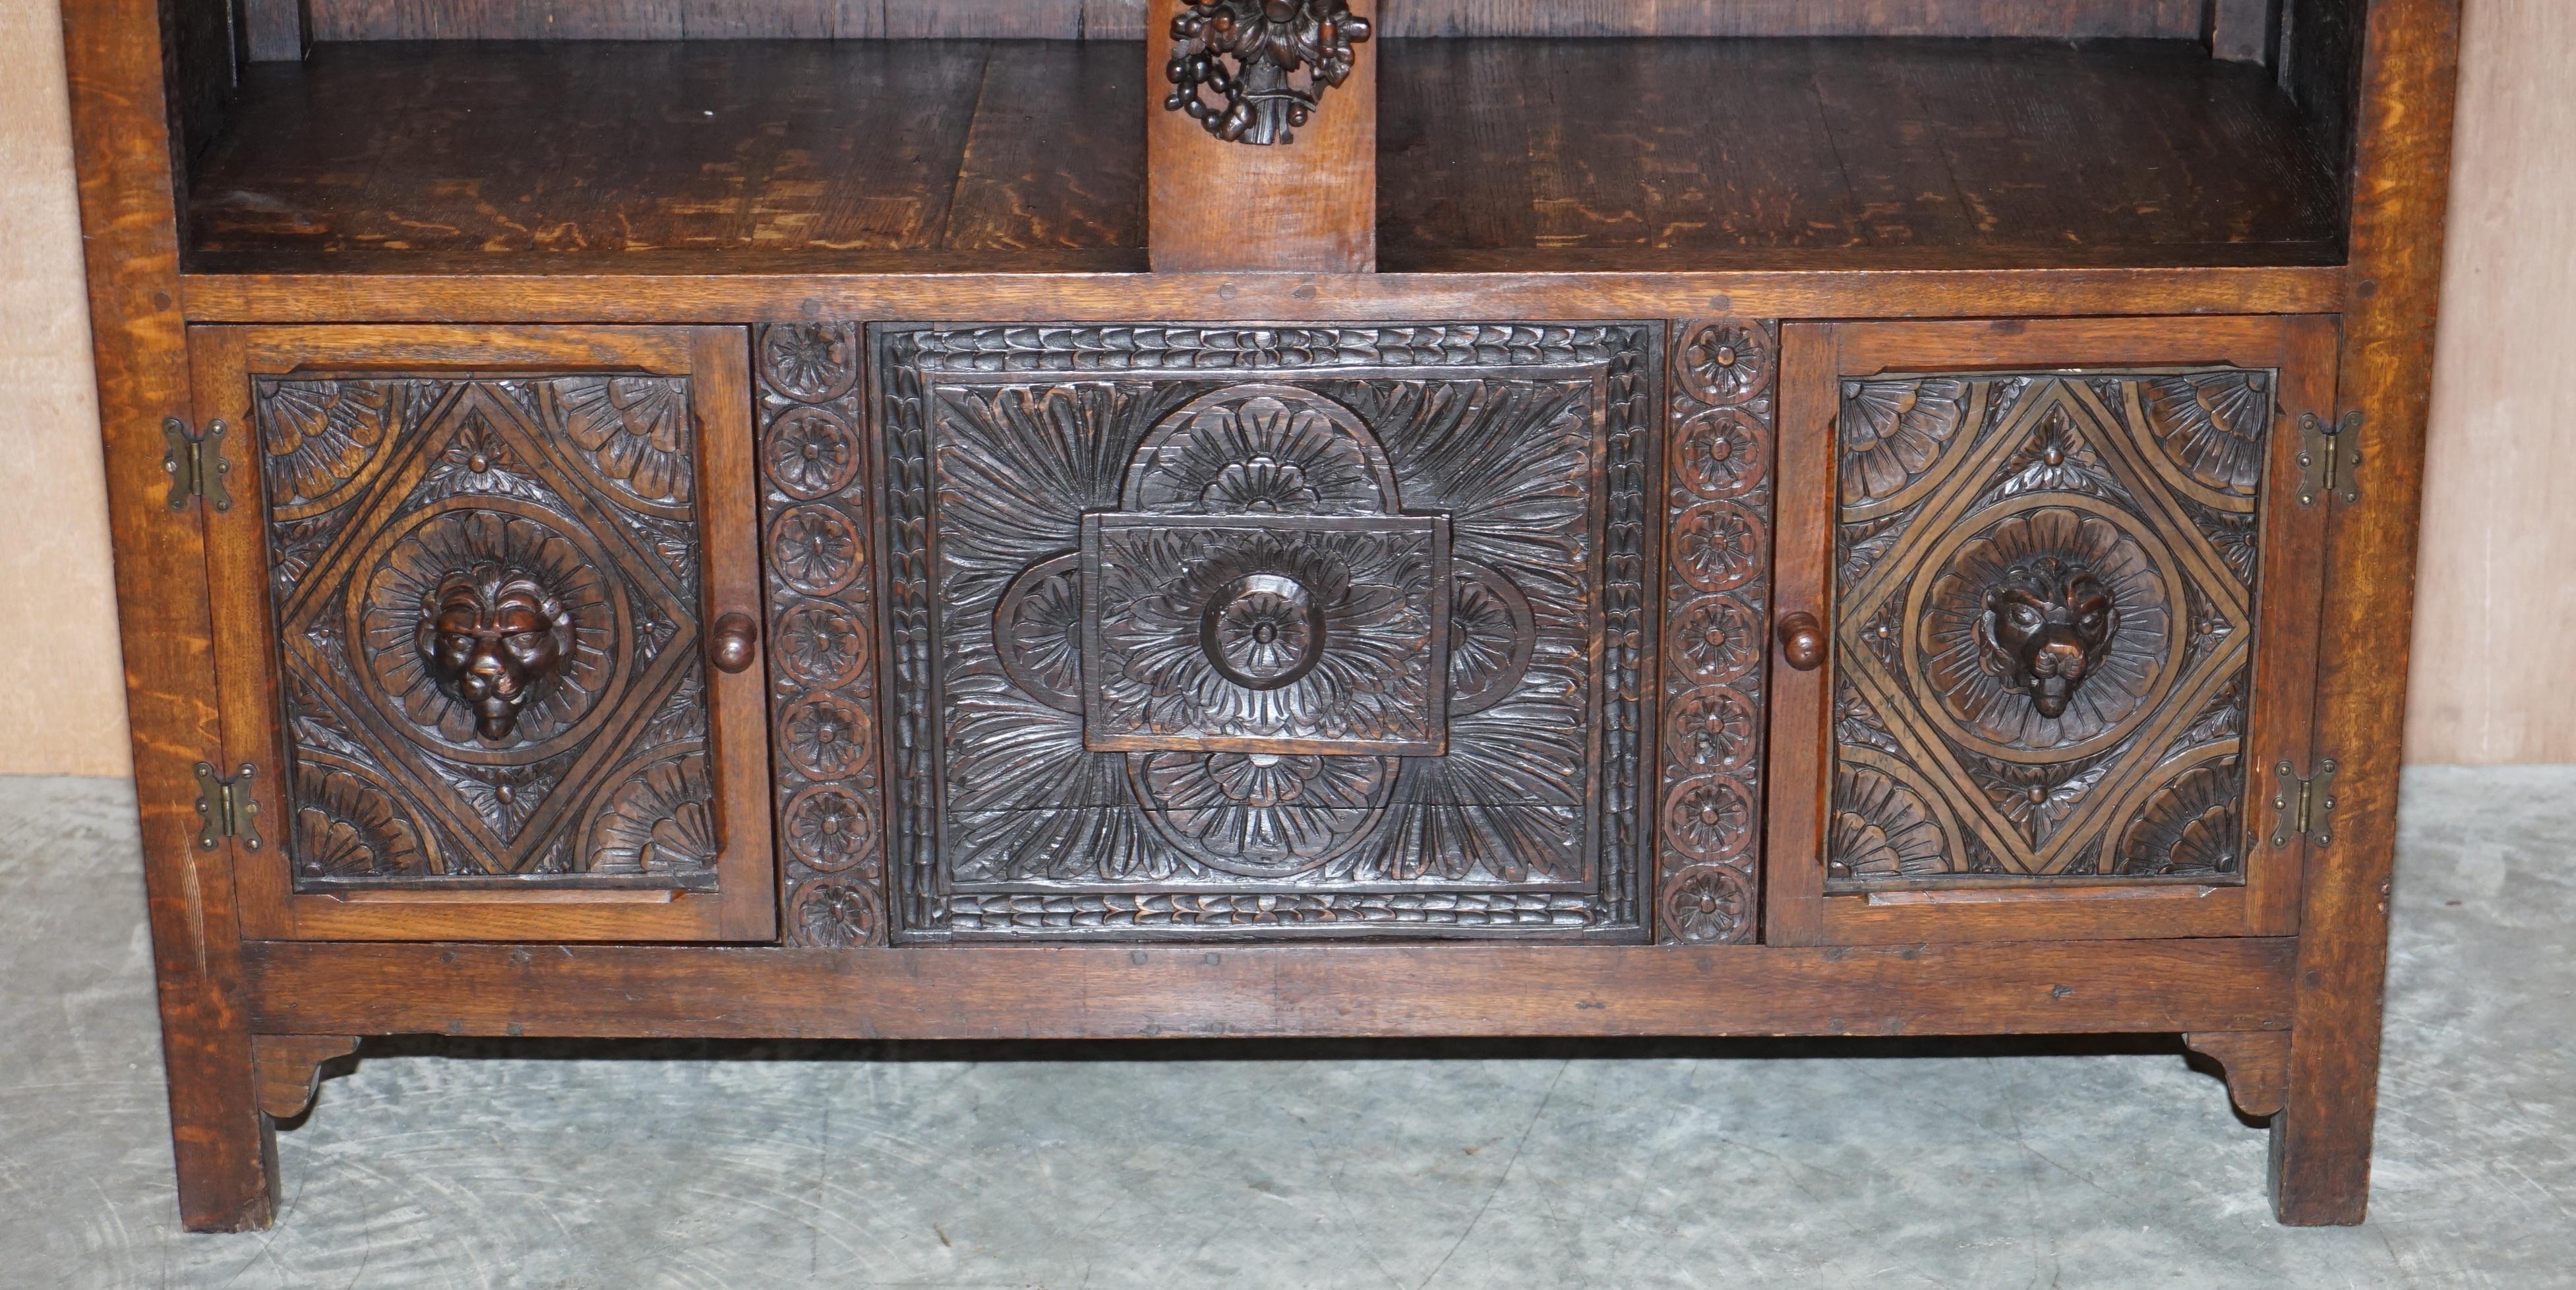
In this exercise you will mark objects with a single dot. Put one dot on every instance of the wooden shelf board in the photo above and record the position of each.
(1495, 156)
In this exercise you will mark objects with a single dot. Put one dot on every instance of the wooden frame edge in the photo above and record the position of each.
(1134, 991)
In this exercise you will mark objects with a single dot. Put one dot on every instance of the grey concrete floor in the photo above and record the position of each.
(1918, 1163)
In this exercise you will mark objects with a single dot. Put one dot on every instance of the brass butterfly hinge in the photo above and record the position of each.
(2304, 808)
(196, 464)
(2330, 458)
(225, 806)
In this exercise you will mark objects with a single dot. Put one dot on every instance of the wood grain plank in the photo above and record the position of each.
(2321, 1140)
(1106, 991)
(121, 142)
(1124, 19)
(1056, 169)
(1114, 297)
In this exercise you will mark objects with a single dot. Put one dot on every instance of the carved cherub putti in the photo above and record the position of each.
(2046, 627)
(491, 635)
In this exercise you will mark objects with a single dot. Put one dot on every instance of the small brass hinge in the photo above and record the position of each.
(2304, 807)
(226, 807)
(2330, 458)
(196, 464)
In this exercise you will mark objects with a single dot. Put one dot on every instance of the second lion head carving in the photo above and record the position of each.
(2047, 625)
(491, 635)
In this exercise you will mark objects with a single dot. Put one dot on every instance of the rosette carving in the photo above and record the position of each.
(823, 648)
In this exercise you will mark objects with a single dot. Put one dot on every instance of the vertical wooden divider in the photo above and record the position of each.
(1305, 206)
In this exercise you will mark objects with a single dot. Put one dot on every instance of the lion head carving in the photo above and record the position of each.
(490, 635)
(2046, 627)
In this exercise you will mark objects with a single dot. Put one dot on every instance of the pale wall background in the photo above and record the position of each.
(2499, 570)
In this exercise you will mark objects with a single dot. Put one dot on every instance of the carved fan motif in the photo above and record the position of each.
(1262, 814)
(661, 822)
(636, 427)
(2191, 826)
(2212, 424)
(1882, 829)
(1263, 449)
(1491, 637)
(318, 436)
(1893, 431)
(1960, 660)
(346, 827)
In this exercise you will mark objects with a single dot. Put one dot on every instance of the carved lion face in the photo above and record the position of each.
(2046, 627)
(490, 636)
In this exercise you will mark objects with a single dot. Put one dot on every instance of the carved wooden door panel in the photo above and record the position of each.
(1266, 632)
(487, 607)
(2062, 586)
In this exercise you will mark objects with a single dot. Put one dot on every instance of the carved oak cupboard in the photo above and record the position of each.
(1470, 519)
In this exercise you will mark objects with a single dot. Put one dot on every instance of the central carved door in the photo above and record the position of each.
(1238, 632)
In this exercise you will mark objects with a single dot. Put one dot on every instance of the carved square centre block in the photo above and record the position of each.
(1284, 634)
(1266, 631)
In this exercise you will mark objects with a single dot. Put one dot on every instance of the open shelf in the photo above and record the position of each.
(1842, 153)
(707, 155)
(1494, 154)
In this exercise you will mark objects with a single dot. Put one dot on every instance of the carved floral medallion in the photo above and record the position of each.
(1315, 651)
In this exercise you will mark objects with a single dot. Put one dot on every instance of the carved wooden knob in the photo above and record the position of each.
(731, 646)
(1802, 641)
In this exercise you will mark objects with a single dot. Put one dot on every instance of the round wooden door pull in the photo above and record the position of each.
(731, 646)
(1802, 641)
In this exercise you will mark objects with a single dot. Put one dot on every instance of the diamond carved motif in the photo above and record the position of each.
(2039, 613)
(485, 634)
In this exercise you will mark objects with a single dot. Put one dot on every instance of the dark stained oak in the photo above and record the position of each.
(1494, 154)
(577, 150)
(2321, 1140)
(1112, 991)
(1693, 153)
(1123, 19)
(649, 200)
